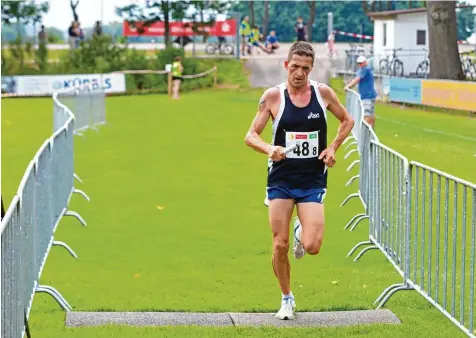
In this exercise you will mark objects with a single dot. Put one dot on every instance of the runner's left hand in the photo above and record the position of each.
(329, 157)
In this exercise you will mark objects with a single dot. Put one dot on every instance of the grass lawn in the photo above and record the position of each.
(176, 220)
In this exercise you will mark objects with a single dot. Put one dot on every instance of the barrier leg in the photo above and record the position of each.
(348, 139)
(352, 220)
(352, 165)
(352, 179)
(82, 193)
(67, 247)
(75, 214)
(379, 298)
(349, 145)
(356, 194)
(350, 153)
(357, 246)
(56, 295)
(358, 221)
(391, 293)
(364, 251)
(77, 177)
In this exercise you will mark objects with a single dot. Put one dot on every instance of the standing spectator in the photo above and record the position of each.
(245, 32)
(177, 70)
(368, 94)
(42, 37)
(98, 29)
(301, 29)
(73, 34)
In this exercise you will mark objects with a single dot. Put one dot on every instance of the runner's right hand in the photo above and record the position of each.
(277, 153)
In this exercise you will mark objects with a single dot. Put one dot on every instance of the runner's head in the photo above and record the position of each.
(299, 63)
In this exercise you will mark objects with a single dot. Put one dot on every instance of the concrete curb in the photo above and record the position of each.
(304, 319)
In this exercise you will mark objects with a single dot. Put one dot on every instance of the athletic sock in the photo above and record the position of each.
(289, 295)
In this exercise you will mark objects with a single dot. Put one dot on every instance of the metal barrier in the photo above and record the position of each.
(442, 227)
(88, 105)
(42, 199)
(423, 220)
(366, 135)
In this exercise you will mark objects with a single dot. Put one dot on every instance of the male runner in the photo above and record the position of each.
(298, 111)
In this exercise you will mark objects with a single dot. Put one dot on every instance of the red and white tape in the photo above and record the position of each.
(355, 35)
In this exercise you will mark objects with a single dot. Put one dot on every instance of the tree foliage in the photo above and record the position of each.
(23, 13)
(197, 13)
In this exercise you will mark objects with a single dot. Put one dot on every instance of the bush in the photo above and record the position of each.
(100, 55)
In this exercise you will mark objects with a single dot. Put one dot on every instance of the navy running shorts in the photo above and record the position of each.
(315, 195)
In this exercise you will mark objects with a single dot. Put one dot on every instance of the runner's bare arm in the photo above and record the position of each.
(253, 138)
(338, 109)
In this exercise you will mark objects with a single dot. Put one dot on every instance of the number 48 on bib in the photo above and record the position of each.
(308, 144)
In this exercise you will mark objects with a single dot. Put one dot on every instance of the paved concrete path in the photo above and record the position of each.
(316, 319)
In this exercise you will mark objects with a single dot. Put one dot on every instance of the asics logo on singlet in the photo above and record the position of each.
(313, 116)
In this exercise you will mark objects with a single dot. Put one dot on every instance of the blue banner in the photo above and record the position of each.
(405, 90)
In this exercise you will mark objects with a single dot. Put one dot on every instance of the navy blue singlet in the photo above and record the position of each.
(300, 169)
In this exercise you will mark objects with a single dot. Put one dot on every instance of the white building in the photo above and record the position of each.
(405, 29)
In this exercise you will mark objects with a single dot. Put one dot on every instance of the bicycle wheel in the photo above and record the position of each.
(472, 70)
(210, 49)
(422, 69)
(398, 68)
(227, 48)
(383, 67)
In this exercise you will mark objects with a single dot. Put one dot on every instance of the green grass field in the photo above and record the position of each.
(176, 220)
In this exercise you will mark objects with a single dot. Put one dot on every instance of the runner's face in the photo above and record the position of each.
(298, 69)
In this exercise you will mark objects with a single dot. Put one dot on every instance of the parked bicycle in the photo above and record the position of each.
(423, 67)
(222, 46)
(468, 62)
(391, 65)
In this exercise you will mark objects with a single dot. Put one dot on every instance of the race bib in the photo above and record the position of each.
(308, 144)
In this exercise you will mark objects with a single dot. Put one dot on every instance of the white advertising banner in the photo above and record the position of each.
(48, 84)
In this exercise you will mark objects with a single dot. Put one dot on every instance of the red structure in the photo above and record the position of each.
(220, 28)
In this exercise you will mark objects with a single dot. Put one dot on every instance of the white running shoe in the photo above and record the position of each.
(298, 248)
(286, 311)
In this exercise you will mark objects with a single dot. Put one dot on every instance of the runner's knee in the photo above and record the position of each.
(313, 245)
(313, 248)
(280, 246)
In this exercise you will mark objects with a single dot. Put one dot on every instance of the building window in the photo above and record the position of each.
(421, 37)
(384, 34)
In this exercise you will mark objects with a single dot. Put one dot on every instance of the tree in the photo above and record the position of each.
(265, 20)
(310, 21)
(444, 57)
(465, 19)
(74, 5)
(141, 17)
(23, 13)
(203, 15)
(252, 12)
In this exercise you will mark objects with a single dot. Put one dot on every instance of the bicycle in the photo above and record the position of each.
(423, 67)
(393, 67)
(469, 66)
(222, 46)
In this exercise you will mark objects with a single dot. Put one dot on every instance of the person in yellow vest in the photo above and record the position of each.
(254, 39)
(245, 32)
(177, 69)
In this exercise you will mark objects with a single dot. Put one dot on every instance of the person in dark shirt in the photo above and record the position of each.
(301, 29)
